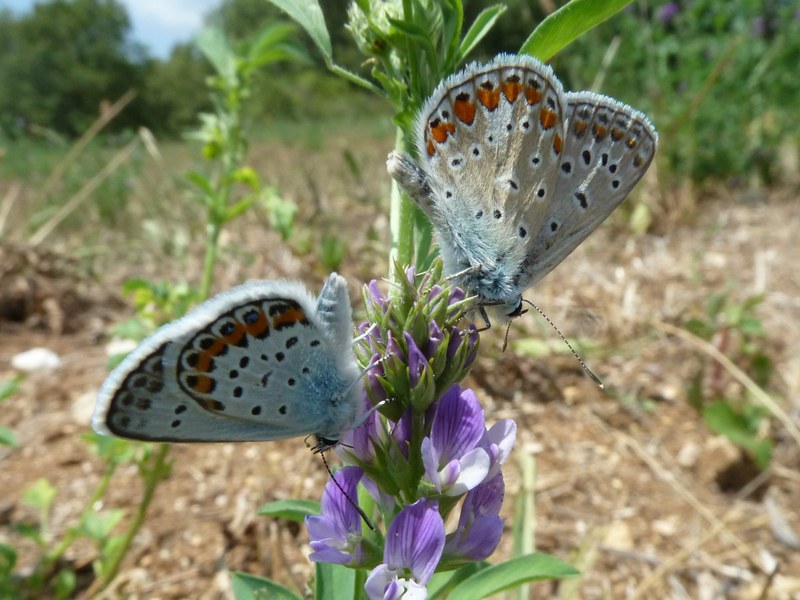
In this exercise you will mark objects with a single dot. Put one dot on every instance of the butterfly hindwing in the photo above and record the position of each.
(262, 361)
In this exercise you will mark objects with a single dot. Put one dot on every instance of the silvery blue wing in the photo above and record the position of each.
(514, 173)
(262, 361)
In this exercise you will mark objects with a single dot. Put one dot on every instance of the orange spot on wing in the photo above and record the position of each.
(547, 118)
(258, 328)
(291, 316)
(631, 142)
(579, 128)
(489, 96)
(558, 144)
(441, 129)
(533, 95)
(431, 148)
(599, 132)
(617, 134)
(212, 405)
(637, 160)
(203, 385)
(511, 89)
(464, 109)
(236, 335)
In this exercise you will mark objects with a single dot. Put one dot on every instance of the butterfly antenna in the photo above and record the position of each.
(346, 495)
(586, 369)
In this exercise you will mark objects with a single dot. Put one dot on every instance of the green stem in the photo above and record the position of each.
(213, 228)
(51, 558)
(401, 221)
(152, 476)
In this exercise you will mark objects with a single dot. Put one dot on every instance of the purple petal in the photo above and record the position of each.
(435, 338)
(458, 425)
(481, 540)
(376, 296)
(479, 526)
(456, 295)
(393, 348)
(415, 540)
(416, 360)
(430, 460)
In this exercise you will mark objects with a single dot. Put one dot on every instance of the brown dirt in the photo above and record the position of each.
(628, 480)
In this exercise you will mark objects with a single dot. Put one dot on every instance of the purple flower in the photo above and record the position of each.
(417, 362)
(479, 526)
(460, 453)
(668, 12)
(453, 462)
(414, 544)
(335, 534)
(360, 441)
(376, 297)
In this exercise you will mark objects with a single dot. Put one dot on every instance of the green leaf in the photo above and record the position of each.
(566, 24)
(715, 304)
(8, 558)
(510, 574)
(239, 208)
(293, 510)
(215, 47)
(66, 582)
(9, 387)
(40, 495)
(441, 583)
(740, 428)
(335, 581)
(309, 16)
(478, 30)
(8, 437)
(247, 587)
(98, 525)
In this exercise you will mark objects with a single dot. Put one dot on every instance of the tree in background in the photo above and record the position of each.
(62, 61)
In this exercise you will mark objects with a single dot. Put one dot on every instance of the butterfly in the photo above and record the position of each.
(262, 361)
(514, 173)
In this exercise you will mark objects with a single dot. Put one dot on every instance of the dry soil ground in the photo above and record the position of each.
(631, 487)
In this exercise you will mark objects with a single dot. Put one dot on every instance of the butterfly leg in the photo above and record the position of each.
(411, 178)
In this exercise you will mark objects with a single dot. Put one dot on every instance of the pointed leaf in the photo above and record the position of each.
(215, 47)
(308, 15)
(479, 28)
(567, 23)
(293, 510)
(8, 437)
(510, 574)
(250, 587)
(335, 581)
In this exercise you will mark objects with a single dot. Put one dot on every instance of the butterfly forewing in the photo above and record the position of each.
(607, 149)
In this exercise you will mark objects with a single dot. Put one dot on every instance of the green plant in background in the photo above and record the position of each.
(8, 388)
(735, 330)
(224, 138)
(717, 80)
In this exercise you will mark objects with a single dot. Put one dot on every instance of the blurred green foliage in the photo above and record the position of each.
(718, 79)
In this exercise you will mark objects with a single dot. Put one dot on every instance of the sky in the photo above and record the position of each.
(158, 24)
